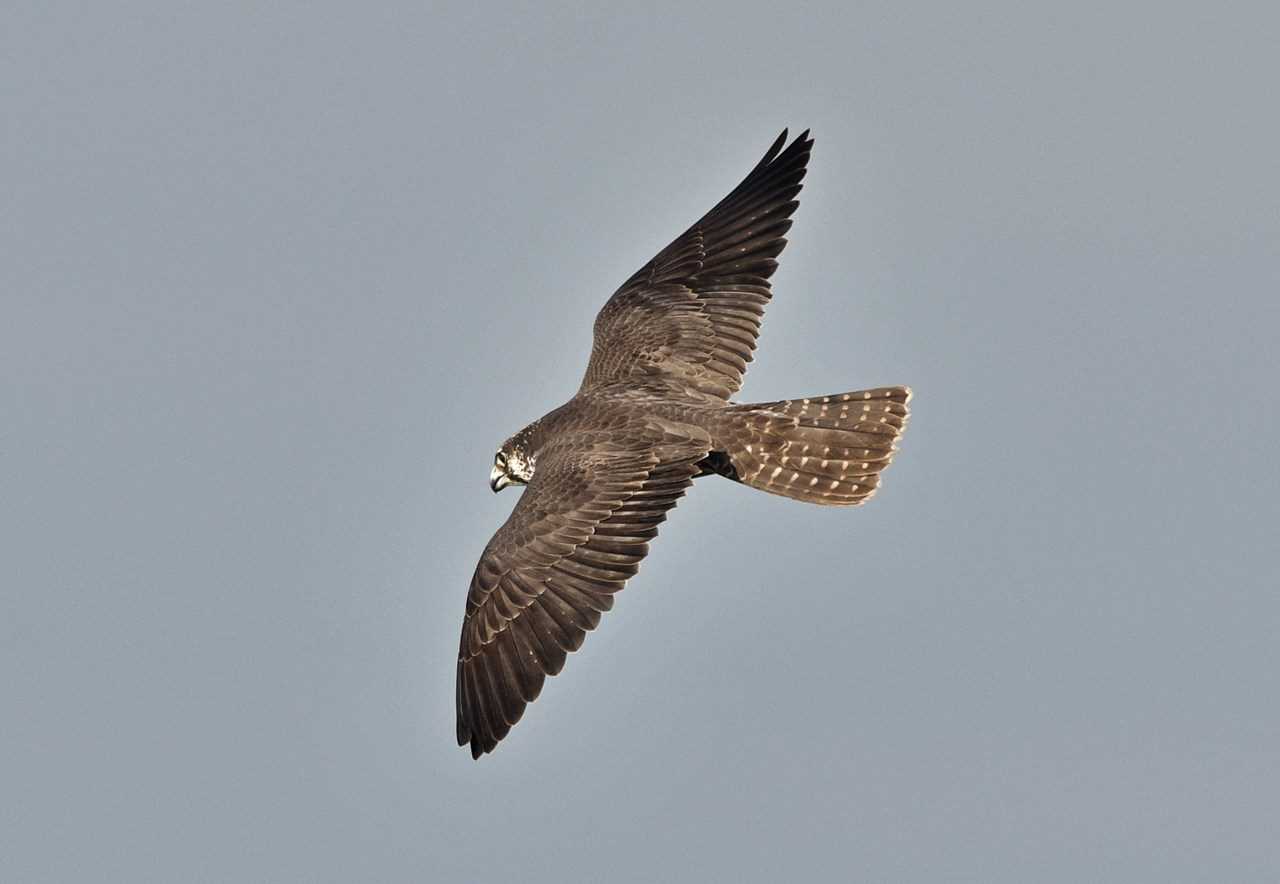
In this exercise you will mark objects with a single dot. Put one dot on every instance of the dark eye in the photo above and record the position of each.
(500, 460)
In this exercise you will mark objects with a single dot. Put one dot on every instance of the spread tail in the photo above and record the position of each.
(825, 449)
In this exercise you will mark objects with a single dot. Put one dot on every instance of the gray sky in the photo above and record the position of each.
(277, 282)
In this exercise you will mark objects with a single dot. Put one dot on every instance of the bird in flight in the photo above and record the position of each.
(653, 413)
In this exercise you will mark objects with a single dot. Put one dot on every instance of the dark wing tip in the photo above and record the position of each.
(775, 148)
(802, 143)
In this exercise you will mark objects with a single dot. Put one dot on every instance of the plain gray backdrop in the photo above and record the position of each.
(277, 279)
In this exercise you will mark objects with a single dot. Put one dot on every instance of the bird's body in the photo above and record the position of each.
(652, 414)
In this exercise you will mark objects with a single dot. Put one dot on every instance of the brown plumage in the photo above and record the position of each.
(671, 346)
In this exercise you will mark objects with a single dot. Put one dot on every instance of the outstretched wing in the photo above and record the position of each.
(692, 314)
(579, 531)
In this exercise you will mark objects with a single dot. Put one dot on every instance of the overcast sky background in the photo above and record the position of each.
(276, 282)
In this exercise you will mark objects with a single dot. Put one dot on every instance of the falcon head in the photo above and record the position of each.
(512, 465)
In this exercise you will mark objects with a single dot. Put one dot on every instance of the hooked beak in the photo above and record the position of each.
(498, 479)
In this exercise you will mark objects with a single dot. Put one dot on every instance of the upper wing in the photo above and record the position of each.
(693, 313)
(578, 532)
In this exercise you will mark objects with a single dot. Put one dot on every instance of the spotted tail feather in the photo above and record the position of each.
(824, 449)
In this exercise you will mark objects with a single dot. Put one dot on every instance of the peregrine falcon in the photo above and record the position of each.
(653, 413)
